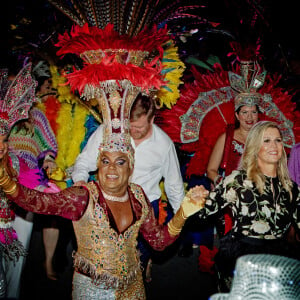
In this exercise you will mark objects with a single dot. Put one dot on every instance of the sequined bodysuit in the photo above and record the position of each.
(107, 261)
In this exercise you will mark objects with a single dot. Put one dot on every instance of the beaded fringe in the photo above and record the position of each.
(84, 266)
(12, 252)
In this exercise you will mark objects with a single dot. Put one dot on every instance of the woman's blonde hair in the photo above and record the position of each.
(249, 158)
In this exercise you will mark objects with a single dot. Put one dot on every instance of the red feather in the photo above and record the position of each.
(86, 38)
(145, 77)
(52, 106)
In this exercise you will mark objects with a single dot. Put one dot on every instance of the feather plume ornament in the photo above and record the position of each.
(208, 103)
(71, 119)
(124, 54)
(65, 123)
(65, 95)
(173, 69)
(132, 16)
(126, 25)
(51, 109)
(111, 57)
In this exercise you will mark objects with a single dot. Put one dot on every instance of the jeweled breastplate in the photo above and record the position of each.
(103, 254)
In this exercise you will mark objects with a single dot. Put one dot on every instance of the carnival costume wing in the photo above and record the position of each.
(17, 97)
(207, 106)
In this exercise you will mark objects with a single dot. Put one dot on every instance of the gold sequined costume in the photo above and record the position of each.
(107, 263)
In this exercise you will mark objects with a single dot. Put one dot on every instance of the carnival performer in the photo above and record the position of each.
(263, 200)
(227, 152)
(107, 217)
(229, 147)
(155, 160)
(110, 75)
(33, 140)
(17, 96)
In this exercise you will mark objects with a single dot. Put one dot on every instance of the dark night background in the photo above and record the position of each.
(32, 26)
(30, 29)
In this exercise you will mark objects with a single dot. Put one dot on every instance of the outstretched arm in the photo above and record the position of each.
(69, 203)
(160, 236)
(173, 180)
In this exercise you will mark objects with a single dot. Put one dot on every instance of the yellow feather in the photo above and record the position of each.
(71, 120)
(167, 97)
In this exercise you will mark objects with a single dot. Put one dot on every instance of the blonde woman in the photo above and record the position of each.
(263, 199)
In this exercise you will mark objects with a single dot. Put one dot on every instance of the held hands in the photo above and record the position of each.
(194, 200)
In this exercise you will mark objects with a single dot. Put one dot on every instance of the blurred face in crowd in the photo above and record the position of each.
(3, 145)
(141, 128)
(247, 116)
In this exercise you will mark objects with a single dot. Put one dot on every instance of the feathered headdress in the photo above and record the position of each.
(207, 106)
(247, 84)
(17, 97)
(117, 68)
(124, 53)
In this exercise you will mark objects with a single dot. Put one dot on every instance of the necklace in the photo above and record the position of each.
(115, 198)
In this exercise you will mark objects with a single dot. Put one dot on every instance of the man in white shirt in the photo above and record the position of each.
(155, 156)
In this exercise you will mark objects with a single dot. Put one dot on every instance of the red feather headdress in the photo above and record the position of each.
(111, 58)
(116, 69)
(206, 107)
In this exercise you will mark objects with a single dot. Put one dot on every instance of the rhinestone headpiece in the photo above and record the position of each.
(115, 105)
(16, 97)
(247, 84)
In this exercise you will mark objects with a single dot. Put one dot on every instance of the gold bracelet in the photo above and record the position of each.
(173, 230)
(11, 190)
(7, 185)
(4, 180)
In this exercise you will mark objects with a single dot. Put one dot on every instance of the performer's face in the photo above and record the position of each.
(3, 145)
(114, 172)
(141, 128)
(247, 116)
(271, 149)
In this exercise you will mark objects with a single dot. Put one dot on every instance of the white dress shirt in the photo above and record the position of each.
(155, 158)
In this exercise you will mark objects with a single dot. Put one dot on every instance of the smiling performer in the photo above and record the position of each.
(109, 214)
(229, 147)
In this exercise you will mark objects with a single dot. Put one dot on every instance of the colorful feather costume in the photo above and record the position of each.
(206, 106)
